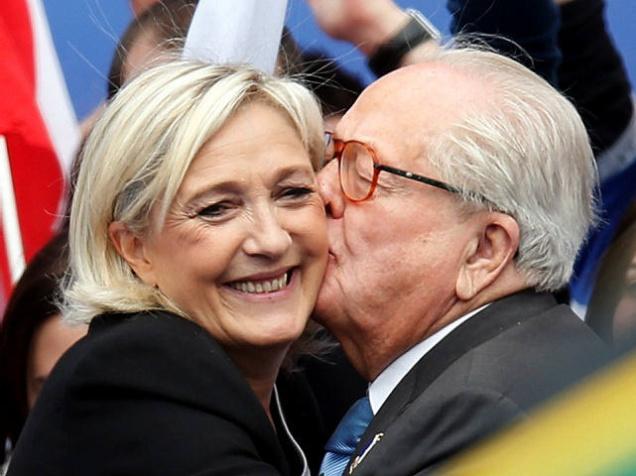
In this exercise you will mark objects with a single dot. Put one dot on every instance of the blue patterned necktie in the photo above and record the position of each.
(344, 440)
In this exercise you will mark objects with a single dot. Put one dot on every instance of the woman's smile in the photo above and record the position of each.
(264, 283)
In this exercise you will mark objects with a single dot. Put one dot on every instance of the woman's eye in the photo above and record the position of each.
(296, 192)
(216, 210)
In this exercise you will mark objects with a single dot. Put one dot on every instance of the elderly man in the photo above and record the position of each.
(462, 190)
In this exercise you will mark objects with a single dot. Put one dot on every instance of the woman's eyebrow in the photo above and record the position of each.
(236, 186)
(203, 191)
(294, 171)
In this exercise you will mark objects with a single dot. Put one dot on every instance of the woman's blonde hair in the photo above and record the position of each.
(136, 158)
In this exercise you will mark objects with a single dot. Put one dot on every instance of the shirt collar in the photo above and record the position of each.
(390, 377)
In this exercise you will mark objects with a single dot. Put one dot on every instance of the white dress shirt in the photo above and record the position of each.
(383, 385)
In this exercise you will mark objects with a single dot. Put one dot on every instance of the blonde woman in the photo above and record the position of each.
(197, 247)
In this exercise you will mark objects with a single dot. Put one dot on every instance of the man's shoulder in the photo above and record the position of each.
(557, 328)
(536, 354)
(516, 342)
(553, 331)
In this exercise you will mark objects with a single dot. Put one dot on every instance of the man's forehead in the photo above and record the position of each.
(418, 94)
(414, 101)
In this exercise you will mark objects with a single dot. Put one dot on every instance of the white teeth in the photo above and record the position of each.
(260, 287)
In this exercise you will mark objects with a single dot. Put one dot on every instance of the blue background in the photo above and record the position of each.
(86, 32)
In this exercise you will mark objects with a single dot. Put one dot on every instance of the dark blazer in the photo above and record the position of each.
(488, 372)
(149, 394)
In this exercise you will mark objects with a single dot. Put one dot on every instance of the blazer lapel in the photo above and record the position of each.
(487, 324)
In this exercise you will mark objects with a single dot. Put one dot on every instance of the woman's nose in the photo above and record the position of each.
(330, 190)
(267, 236)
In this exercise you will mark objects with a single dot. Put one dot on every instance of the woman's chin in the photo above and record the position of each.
(278, 337)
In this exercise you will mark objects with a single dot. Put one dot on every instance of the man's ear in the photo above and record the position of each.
(132, 248)
(488, 254)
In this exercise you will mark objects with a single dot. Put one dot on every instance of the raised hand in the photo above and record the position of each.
(364, 23)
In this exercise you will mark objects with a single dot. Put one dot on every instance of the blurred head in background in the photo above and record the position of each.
(32, 336)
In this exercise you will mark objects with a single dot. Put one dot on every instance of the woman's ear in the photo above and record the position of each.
(488, 254)
(132, 248)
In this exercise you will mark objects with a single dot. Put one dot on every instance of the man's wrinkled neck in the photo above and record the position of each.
(371, 352)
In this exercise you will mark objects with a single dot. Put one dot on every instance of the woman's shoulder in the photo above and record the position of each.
(147, 334)
(154, 351)
(162, 326)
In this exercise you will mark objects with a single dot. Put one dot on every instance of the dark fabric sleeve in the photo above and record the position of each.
(532, 24)
(592, 73)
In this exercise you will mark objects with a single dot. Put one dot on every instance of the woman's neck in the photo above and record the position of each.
(260, 368)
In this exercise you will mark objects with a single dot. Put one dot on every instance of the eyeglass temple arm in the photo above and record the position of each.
(437, 183)
(419, 178)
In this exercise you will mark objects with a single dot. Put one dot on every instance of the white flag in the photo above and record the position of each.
(237, 31)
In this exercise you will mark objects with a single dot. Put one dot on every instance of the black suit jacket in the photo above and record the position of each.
(488, 372)
(148, 394)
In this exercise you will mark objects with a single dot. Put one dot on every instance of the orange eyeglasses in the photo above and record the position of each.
(359, 169)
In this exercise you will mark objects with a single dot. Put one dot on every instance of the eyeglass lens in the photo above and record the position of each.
(356, 171)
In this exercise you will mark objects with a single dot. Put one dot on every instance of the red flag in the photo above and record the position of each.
(5, 278)
(34, 173)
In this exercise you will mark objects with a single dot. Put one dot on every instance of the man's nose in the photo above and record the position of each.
(267, 236)
(330, 190)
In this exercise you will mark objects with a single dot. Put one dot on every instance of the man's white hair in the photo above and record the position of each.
(528, 153)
